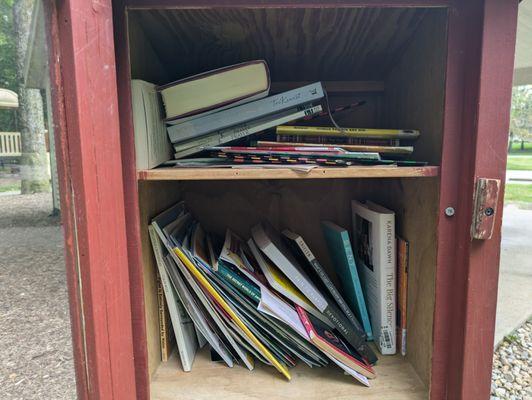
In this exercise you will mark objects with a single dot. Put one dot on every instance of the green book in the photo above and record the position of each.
(339, 245)
(244, 286)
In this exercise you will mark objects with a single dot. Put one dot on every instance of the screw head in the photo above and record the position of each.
(489, 211)
(449, 211)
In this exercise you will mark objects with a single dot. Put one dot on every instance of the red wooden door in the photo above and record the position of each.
(99, 189)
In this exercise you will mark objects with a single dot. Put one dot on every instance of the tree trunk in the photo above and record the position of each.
(522, 144)
(34, 161)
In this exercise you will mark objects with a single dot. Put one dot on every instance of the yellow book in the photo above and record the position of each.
(205, 283)
(362, 133)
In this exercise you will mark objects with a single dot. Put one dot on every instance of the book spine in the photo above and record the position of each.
(386, 260)
(238, 282)
(349, 132)
(338, 140)
(246, 129)
(402, 287)
(358, 288)
(246, 112)
(316, 266)
(163, 328)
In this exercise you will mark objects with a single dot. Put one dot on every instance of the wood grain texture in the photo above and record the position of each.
(298, 44)
(96, 198)
(414, 98)
(68, 216)
(177, 174)
(485, 208)
(396, 380)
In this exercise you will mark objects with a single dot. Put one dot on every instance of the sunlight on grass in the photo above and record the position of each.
(518, 193)
(523, 163)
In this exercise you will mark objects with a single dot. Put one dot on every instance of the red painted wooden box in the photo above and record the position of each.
(441, 66)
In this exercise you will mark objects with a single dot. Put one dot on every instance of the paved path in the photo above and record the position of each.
(514, 303)
(516, 176)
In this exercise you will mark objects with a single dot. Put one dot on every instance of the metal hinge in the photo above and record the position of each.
(485, 208)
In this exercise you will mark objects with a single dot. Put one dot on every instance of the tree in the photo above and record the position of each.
(8, 68)
(521, 115)
(34, 160)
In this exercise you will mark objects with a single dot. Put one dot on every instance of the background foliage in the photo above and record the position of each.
(8, 78)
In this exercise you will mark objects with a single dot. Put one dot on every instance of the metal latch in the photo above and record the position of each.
(485, 208)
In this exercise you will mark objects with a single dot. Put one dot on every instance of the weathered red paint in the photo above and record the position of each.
(92, 196)
(479, 71)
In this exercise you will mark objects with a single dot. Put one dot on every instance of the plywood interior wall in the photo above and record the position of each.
(414, 97)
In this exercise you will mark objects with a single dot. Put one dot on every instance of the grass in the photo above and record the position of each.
(518, 193)
(10, 187)
(516, 148)
(522, 163)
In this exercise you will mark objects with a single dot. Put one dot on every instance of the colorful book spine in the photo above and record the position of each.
(246, 112)
(234, 279)
(338, 140)
(347, 132)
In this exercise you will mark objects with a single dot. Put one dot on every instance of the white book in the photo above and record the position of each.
(152, 146)
(182, 324)
(239, 131)
(374, 245)
(270, 244)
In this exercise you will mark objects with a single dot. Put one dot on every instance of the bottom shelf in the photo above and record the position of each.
(395, 380)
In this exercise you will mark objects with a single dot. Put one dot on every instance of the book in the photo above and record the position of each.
(240, 131)
(346, 322)
(166, 334)
(403, 258)
(341, 252)
(327, 341)
(269, 242)
(183, 327)
(399, 150)
(374, 241)
(152, 146)
(347, 132)
(216, 88)
(197, 127)
(338, 141)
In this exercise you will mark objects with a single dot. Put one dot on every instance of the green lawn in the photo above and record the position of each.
(519, 162)
(516, 148)
(519, 193)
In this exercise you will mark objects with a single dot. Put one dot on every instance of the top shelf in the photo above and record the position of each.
(187, 174)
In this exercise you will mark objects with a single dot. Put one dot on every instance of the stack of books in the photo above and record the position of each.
(204, 112)
(268, 299)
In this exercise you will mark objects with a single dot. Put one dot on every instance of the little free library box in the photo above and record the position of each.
(441, 67)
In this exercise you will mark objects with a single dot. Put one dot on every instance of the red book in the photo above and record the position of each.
(326, 340)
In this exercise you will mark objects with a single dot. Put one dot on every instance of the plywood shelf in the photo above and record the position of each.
(186, 174)
(395, 380)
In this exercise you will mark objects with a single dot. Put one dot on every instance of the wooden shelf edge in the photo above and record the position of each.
(187, 174)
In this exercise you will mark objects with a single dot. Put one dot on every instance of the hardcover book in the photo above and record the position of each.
(374, 241)
(197, 127)
(214, 89)
(341, 252)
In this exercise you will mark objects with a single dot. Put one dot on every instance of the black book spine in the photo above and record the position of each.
(352, 331)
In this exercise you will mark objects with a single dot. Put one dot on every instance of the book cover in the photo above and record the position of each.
(152, 146)
(403, 254)
(215, 89)
(269, 242)
(344, 319)
(374, 244)
(341, 252)
(182, 324)
(399, 150)
(340, 140)
(366, 133)
(245, 113)
(327, 341)
(243, 130)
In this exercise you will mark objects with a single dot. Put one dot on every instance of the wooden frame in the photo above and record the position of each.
(100, 197)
